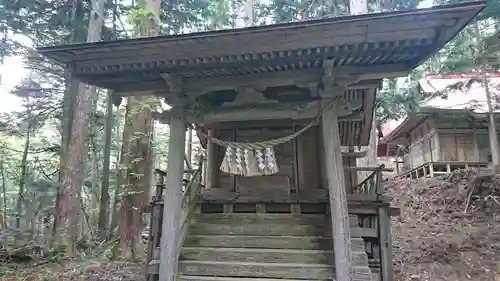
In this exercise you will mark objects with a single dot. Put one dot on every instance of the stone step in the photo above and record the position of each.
(267, 255)
(268, 242)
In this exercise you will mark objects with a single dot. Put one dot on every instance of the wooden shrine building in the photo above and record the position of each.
(449, 131)
(276, 104)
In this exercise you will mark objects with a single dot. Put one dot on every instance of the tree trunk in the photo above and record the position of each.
(4, 196)
(95, 189)
(492, 128)
(22, 178)
(116, 195)
(137, 156)
(492, 123)
(104, 200)
(74, 173)
(68, 113)
(135, 167)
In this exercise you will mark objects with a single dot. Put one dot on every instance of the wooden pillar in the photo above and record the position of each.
(212, 167)
(353, 162)
(384, 225)
(189, 152)
(171, 225)
(204, 171)
(437, 143)
(337, 192)
(474, 141)
(397, 167)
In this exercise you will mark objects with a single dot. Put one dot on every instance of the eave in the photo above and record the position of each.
(404, 128)
(380, 45)
(424, 113)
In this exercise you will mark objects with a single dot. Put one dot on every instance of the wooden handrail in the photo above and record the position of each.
(161, 175)
(189, 202)
(374, 179)
(373, 174)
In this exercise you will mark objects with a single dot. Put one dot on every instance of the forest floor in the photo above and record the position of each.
(446, 231)
(80, 270)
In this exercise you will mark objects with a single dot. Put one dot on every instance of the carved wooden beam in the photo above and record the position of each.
(250, 95)
(335, 80)
(305, 77)
(175, 88)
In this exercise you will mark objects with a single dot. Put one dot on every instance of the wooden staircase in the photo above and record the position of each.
(264, 247)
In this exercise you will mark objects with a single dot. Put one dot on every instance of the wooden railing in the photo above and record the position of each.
(371, 186)
(189, 201)
(191, 190)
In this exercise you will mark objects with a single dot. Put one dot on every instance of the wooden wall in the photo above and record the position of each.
(298, 160)
(457, 147)
(424, 145)
(447, 140)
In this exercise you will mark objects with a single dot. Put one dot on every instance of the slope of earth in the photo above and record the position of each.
(449, 227)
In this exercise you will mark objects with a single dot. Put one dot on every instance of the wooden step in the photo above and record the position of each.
(269, 229)
(268, 242)
(217, 278)
(267, 255)
(261, 270)
(256, 270)
(285, 219)
(267, 270)
(358, 277)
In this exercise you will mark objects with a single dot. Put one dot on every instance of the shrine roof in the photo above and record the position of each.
(448, 100)
(371, 43)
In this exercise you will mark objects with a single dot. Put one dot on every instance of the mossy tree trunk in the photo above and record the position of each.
(73, 174)
(136, 153)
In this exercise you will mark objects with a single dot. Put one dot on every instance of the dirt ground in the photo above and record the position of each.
(85, 270)
(449, 227)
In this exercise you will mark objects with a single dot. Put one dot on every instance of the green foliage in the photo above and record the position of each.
(395, 102)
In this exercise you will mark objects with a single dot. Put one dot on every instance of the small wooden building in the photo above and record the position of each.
(449, 131)
(291, 95)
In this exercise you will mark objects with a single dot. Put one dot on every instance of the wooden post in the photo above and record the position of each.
(204, 171)
(338, 198)
(384, 224)
(189, 153)
(474, 141)
(212, 169)
(437, 143)
(353, 174)
(172, 201)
